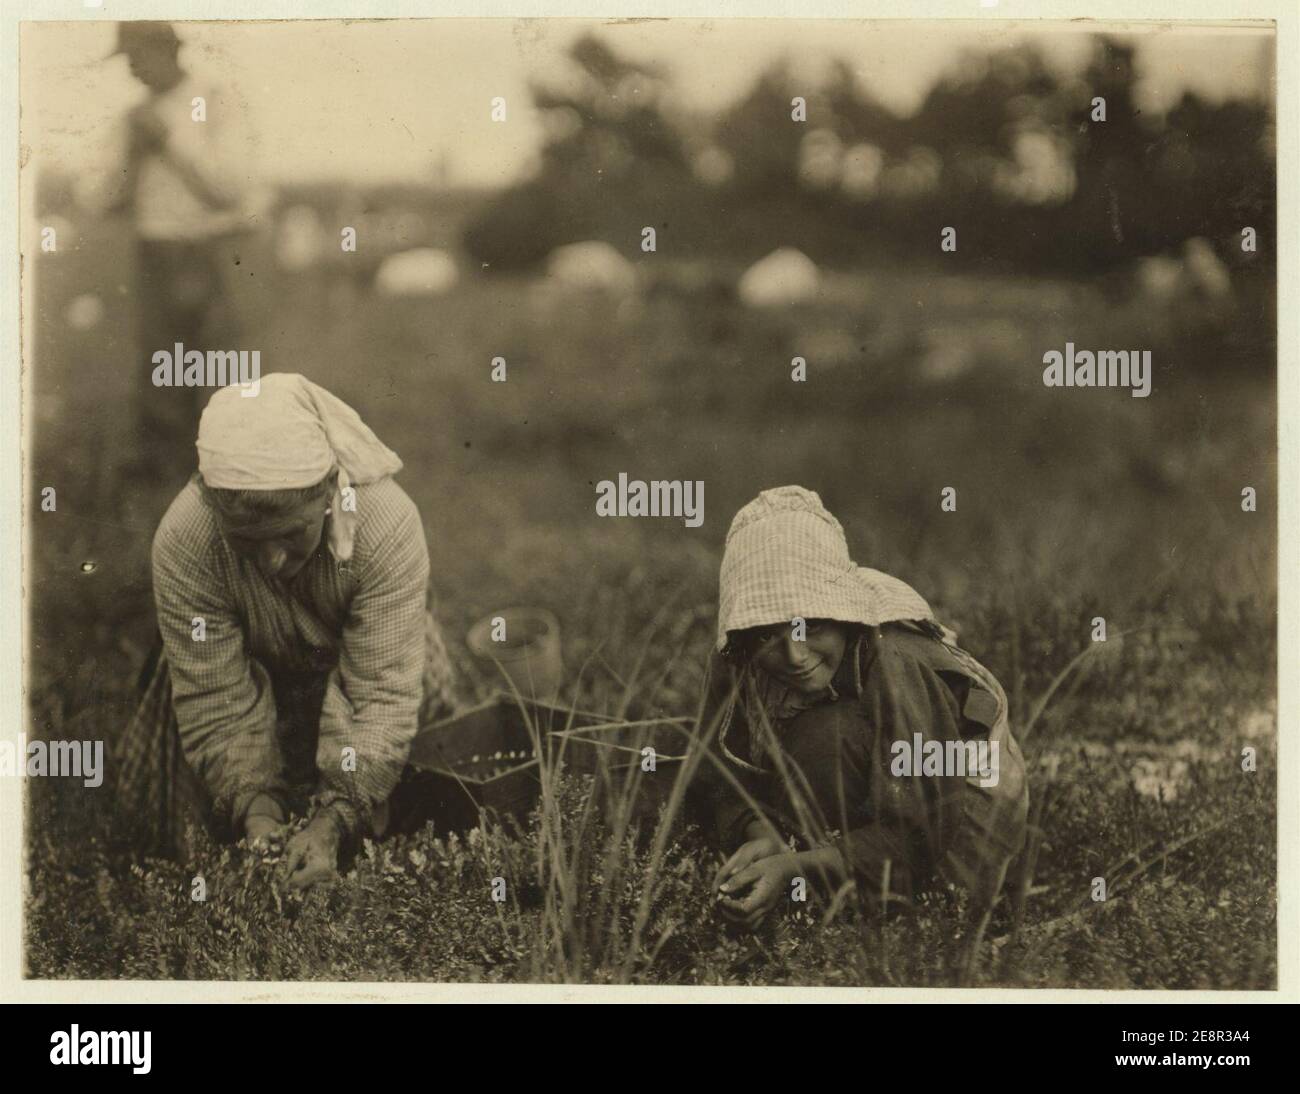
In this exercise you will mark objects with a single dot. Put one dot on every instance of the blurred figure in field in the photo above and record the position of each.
(178, 164)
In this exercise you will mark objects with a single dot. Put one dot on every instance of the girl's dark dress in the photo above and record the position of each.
(824, 769)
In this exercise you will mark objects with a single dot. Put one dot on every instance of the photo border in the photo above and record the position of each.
(16, 504)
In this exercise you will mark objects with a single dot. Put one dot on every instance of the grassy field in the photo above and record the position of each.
(1072, 504)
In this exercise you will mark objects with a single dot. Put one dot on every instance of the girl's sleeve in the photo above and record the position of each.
(721, 806)
(223, 699)
(372, 702)
(916, 817)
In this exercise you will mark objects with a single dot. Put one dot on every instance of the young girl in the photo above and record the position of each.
(838, 711)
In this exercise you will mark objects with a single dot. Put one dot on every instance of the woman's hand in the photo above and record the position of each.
(264, 822)
(750, 894)
(262, 831)
(312, 855)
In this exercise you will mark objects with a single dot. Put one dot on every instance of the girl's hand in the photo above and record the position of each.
(761, 841)
(764, 846)
(767, 881)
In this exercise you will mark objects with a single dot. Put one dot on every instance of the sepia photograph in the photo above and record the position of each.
(759, 502)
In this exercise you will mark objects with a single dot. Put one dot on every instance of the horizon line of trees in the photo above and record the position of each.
(1036, 171)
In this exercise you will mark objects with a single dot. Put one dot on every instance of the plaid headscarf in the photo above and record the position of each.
(291, 434)
(786, 557)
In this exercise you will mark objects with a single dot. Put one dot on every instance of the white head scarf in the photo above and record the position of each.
(291, 434)
(786, 557)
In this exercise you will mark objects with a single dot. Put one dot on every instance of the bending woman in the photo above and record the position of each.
(298, 653)
(839, 714)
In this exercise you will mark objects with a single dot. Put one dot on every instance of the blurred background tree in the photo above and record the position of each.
(1002, 145)
(611, 148)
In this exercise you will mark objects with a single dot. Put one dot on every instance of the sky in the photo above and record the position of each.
(394, 100)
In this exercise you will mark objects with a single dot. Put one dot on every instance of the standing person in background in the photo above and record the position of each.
(178, 163)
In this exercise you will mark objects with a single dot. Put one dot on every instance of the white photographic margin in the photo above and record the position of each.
(16, 495)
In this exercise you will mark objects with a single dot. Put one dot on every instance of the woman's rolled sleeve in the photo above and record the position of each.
(371, 707)
(719, 794)
(225, 710)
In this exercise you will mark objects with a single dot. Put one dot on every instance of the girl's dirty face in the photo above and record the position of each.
(280, 548)
(807, 666)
